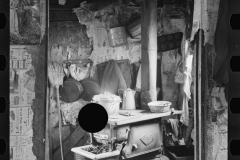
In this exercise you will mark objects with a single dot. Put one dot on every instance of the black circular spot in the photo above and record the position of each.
(169, 37)
(164, 47)
(162, 39)
(178, 44)
(171, 45)
(93, 118)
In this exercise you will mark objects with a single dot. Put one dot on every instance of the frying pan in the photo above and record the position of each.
(91, 87)
(71, 90)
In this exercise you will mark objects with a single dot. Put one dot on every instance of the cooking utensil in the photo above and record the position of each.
(56, 74)
(169, 42)
(128, 114)
(114, 116)
(91, 88)
(72, 89)
(159, 106)
(128, 98)
(109, 101)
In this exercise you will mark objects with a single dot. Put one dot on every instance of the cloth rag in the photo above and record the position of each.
(187, 90)
(175, 127)
(174, 130)
(138, 83)
(112, 79)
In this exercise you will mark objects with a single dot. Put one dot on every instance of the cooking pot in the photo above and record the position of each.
(109, 101)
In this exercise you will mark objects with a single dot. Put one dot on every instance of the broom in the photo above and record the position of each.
(55, 75)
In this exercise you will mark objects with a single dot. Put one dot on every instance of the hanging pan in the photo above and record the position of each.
(71, 90)
(91, 88)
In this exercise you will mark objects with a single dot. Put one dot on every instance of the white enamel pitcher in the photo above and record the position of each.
(128, 98)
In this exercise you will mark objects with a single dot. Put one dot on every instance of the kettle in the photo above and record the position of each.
(128, 98)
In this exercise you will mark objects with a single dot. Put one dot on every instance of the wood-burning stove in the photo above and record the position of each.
(135, 135)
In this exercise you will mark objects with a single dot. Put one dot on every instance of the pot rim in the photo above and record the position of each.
(103, 97)
(160, 103)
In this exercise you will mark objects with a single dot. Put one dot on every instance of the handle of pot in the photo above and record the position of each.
(134, 146)
(158, 90)
(68, 64)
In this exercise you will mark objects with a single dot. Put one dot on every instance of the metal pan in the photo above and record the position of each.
(71, 90)
(91, 88)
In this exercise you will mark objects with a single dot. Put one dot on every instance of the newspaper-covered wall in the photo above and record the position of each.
(205, 17)
(102, 52)
(22, 81)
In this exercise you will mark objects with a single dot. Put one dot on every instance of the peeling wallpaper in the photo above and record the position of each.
(103, 52)
(93, 32)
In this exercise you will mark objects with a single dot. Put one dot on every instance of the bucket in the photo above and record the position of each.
(110, 102)
(117, 37)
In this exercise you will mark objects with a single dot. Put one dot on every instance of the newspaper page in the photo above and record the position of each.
(22, 81)
(205, 17)
(200, 19)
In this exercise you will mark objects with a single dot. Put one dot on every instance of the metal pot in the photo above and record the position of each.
(109, 101)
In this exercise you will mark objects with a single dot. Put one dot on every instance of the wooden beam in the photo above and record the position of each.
(69, 143)
(198, 101)
(149, 52)
(62, 15)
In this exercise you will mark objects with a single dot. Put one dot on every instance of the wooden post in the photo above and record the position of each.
(198, 101)
(149, 52)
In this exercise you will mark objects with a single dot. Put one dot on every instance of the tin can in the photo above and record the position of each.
(117, 37)
(134, 29)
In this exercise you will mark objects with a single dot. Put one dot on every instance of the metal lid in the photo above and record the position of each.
(106, 97)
